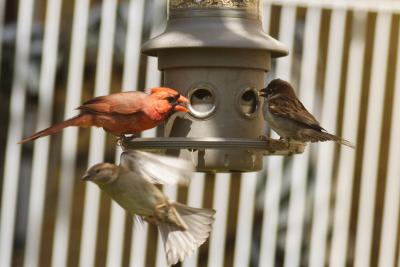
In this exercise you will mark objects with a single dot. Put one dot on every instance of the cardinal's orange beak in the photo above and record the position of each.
(182, 102)
(182, 99)
(181, 108)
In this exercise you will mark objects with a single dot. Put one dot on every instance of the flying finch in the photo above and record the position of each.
(132, 186)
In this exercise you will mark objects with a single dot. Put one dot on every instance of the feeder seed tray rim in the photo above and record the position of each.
(269, 146)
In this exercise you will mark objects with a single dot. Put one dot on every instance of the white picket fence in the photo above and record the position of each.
(329, 206)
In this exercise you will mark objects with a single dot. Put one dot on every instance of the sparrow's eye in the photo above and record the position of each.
(171, 99)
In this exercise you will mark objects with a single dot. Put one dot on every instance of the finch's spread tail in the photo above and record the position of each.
(315, 136)
(80, 120)
(180, 244)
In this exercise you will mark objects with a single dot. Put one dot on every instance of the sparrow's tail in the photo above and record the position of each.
(180, 243)
(319, 136)
(79, 120)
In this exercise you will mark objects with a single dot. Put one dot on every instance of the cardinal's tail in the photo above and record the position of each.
(319, 136)
(180, 243)
(79, 120)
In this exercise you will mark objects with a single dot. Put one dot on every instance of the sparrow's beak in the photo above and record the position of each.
(263, 92)
(181, 104)
(85, 177)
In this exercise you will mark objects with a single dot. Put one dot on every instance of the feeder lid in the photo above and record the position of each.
(214, 24)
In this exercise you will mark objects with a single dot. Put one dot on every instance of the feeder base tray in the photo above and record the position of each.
(267, 146)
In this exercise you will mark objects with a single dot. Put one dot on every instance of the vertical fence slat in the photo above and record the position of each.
(2, 12)
(349, 130)
(326, 150)
(369, 171)
(129, 83)
(286, 35)
(41, 146)
(266, 16)
(275, 164)
(140, 233)
(248, 183)
(139, 244)
(153, 79)
(97, 136)
(70, 135)
(115, 235)
(387, 250)
(301, 162)
(133, 43)
(218, 235)
(195, 199)
(13, 151)
(171, 191)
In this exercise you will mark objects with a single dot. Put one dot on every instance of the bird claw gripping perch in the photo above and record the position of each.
(123, 139)
(276, 146)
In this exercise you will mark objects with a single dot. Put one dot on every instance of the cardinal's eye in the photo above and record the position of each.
(177, 96)
(171, 99)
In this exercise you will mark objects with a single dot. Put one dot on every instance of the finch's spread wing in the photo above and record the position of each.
(123, 103)
(158, 169)
(291, 108)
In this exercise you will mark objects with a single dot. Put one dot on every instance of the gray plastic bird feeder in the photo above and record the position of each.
(216, 53)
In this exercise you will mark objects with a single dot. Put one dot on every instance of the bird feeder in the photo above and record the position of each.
(216, 53)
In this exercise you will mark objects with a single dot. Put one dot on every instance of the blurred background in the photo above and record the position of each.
(331, 206)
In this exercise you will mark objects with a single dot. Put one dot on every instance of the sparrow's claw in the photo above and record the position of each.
(159, 211)
(124, 138)
(263, 137)
(119, 140)
(285, 139)
(159, 207)
(297, 142)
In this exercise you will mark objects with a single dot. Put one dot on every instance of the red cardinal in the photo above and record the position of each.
(123, 113)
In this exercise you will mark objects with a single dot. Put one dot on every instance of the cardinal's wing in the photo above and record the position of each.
(123, 103)
(158, 169)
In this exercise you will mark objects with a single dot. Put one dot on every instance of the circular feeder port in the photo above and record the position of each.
(248, 102)
(202, 102)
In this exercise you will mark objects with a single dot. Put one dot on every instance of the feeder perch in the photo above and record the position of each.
(216, 54)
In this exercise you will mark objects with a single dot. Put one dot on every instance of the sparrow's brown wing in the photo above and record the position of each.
(123, 103)
(291, 108)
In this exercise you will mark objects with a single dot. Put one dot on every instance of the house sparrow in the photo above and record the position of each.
(123, 113)
(132, 186)
(287, 116)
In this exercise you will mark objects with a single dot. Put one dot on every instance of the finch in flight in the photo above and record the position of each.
(132, 186)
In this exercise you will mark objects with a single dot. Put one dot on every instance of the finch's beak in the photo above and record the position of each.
(85, 177)
(263, 92)
(181, 104)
